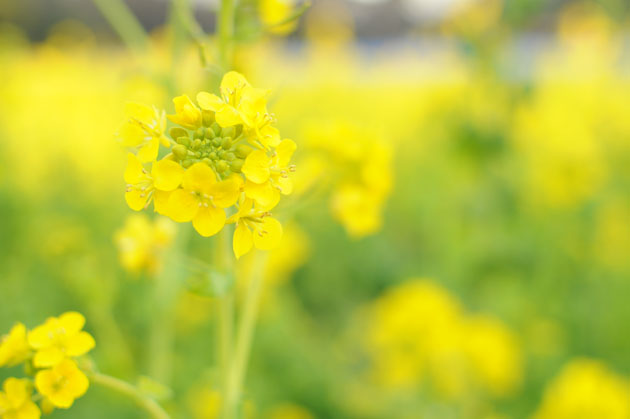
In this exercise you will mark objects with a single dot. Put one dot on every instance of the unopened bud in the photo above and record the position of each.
(216, 128)
(184, 140)
(229, 156)
(222, 166)
(237, 165)
(243, 150)
(228, 132)
(210, 133)
(213, 156)
(208, 118)
(180, 151)
(207, 161)
(196, 144)
(226, 143)
(187, 163)
(199, 133)
(177, 132)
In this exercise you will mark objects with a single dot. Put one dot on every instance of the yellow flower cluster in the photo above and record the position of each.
(363, 176)
(141, 242)
(586, 389)
(47, 351)
(226, 156)
(418, 334)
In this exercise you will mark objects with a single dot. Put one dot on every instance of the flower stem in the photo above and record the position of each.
(225, 31)
(244, 338)
(124, 23)
(148, 404)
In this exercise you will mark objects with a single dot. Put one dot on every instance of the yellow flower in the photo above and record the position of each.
(273, 12)
(586, 389)
(254, 228)
(144, 187)
(358, 208)
(62, 384)
(15, 400)
(267, 177)
(14, 347)
(187, 114)
(203, 198)
(58, 338)
(144, 130)
(141, 242)
(240, 103)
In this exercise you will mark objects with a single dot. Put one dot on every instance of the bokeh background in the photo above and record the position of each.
(458, 244)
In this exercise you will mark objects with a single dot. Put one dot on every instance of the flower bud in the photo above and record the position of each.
(213, 156)
(236, 165)
(199, 133)
(216, 142)
(226, 143)
(216, 128)
(243, 150)
(184, 140)
(222, 166)
(177, 132)
(207, 161)
(228, 132)
(208, 118)
(196, 144)
(187, 163)
(229, 156)
(180, 151)
(210, 133)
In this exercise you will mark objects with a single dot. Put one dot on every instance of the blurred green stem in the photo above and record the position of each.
(225, 31)
(244, 338)
(148, 404)
(122, 19)
(226, 308)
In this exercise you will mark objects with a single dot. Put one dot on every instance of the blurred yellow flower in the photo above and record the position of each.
(187, 114)
(144, 187)
(14, 347)
(15, 400)
(274, 12)
(141, 243)
(144, 130)
(586, 388)
(62, 384)
(59, 338)
(254, 228)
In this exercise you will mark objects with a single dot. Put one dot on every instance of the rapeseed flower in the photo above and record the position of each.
(59, 338)
(62, 384)
(16, 401)
(14, 348)
(144, 130)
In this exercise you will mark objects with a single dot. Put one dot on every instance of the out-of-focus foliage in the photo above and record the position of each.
(495, 165)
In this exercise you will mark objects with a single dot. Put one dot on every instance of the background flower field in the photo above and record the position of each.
(457, 244)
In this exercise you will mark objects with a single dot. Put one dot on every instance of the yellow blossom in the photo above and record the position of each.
(62, 384)
(144, 187)
(13, 347)
(144, 130)
(254, 228)
(141, 242)
(203, 198)
(15, 400)
(273, 12)
(59, 338)
(187, 114)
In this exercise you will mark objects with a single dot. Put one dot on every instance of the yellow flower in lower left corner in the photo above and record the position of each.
(59, 338)
(13, 347)
(62, 384)
(15, 400)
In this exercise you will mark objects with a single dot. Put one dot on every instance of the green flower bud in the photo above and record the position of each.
(229, 156)
(199, 133)
(221, 154)
(216, 142)
(226, 143)
(210, 133)
(208, 118)
(196, 144)
(236, 165)
(243, 150)
(180, 151)
(216, 128)
(207, 161)
(198, 154)
(222, 166)
(213, 156)
(177, 132)
(228, 132)
(184, 140)
(187, 163)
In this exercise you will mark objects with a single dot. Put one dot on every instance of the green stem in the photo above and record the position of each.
(225, 30)
(122, 387)
(123, 21)
(244, 338)
(226, 308)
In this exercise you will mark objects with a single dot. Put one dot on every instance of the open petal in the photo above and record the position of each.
(149, 151)
(139, 111)
(225, 193)
(242, 241)
(160, 202)
(134, 171)
(256, 167)
(131, 134)
(285, 150)
(136, 199)
(199, 177)
(209, 102)
(233, 82)
(265, 195)
(48, 357)
(209, 221)
(72, 322)
(182, 205)
(268, 235)
(79, 344)
(167, 175)
(227, 116)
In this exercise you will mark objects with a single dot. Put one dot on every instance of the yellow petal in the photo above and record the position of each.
(136, 199)
(160, 202)
(256, 167)
(209, 102)
(79, 344)
(186, 113)
(285, 184)
(199, 177)
(16, 390)
(285, 150)
(134, 172)
(225, 193)
(232, 82)
(242, 241)
(131, 134)
(265, 195)
(227, 116)
(209, 221)
(48, 357)
(182, 205)
(268, 235)
(72, 321)
(149, 151)
(269, 136)
(139, 111)
(167, 175)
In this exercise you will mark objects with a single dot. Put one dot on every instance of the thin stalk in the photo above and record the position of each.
(148, 404)
(245, 336)
(225, 31)
(226, 309)
(123, 21)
